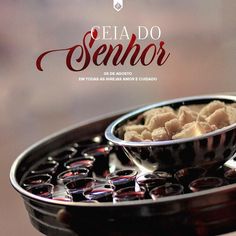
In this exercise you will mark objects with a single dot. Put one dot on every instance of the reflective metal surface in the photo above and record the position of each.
(208, 149)
(204, 213)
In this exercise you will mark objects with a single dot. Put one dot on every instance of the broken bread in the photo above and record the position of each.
(165, 123)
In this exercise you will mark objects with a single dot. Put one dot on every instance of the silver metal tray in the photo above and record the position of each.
(209, 212)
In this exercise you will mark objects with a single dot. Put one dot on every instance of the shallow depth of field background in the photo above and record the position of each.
(200, 35)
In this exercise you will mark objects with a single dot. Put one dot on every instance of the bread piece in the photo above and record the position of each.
(138, 128)
(201, 118)
(132, 136)
(160, 134)
(159, 120)
(164, 123)
(172, 127)
(194, 129)
(186, 115)
(231, 111)
(219, 118)
(211, 108)
(146, 135)
(149, 114)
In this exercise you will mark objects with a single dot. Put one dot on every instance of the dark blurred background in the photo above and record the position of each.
(200, 35)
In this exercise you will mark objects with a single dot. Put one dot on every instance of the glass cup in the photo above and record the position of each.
(122, 178)
(129, 194)
(69, 175)
(48, 167)
(187, 175)
(42, 190)
(100, 193)
(164, 175)
(36, 179)
(150, 181)
(81, 162)
(101, 155)
(63, 154)
(205, 183)
(77, 187)
(166, 190)
(91, 142)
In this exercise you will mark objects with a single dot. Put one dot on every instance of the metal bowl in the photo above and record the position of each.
(207, 150)
(203, 213)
